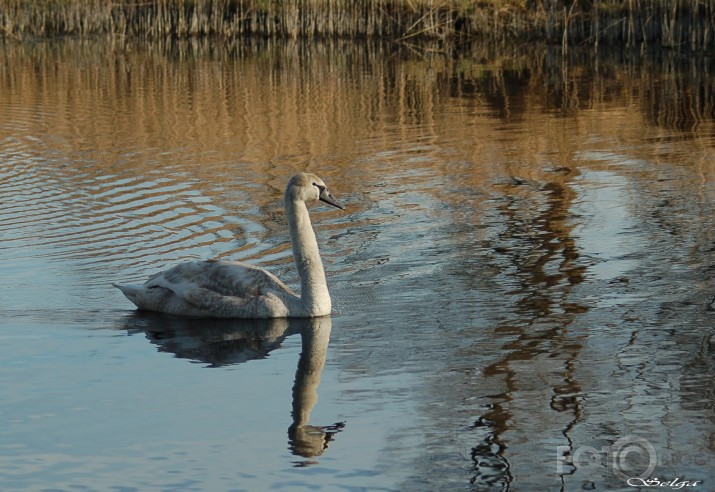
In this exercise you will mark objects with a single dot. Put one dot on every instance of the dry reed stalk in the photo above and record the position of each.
(669, 23)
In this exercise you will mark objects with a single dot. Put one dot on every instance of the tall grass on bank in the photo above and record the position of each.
(668, 23)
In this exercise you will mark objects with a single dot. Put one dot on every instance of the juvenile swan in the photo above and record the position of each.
(231, 289)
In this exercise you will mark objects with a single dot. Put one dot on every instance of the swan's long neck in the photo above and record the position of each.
(313, 287)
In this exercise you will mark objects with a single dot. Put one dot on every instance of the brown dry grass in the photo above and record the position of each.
(673, 24)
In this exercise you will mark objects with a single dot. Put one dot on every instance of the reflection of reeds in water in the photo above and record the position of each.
(256, 103)
(259, 94)
(652, 22)
(248, 113)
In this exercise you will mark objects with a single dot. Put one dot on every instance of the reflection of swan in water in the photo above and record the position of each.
(215, 342)
(221, 342)
(309, 440)
(230, 289)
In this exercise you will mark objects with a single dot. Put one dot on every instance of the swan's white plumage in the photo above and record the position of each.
(231, 289)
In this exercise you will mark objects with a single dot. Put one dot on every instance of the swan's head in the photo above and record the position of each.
(310, 188)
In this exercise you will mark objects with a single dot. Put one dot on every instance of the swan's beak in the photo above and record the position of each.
(327, 197)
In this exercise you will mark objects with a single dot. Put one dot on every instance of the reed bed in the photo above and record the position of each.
(665, 23)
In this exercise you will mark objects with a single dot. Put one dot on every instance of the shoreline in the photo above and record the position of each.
(683, 25)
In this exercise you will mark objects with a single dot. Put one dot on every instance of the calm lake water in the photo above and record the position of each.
(522, 280)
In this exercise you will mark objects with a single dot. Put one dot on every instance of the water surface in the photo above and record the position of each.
(522, 275)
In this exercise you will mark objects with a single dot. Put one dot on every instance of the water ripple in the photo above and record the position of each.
(114, 223)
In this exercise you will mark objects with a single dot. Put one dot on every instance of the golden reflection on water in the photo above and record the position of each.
(489, 192)
(276, 108)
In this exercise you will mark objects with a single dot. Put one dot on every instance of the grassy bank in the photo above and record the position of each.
(683, 24)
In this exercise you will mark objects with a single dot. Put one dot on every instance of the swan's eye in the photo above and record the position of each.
(321, 188)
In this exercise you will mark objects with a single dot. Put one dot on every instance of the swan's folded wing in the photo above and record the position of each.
(225, 289)
(226, 278)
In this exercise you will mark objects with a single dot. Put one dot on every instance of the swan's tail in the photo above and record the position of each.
(131, 292)
(156, 298)
(143, 297)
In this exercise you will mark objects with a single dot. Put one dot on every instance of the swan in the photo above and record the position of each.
(232, 289)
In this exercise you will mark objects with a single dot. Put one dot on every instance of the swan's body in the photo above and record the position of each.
(231, 289)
